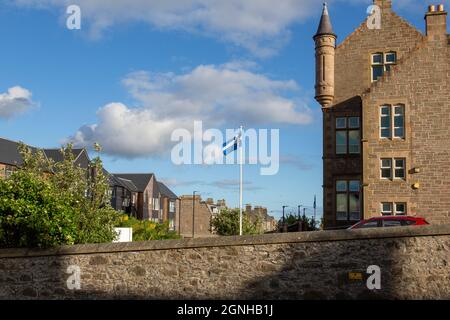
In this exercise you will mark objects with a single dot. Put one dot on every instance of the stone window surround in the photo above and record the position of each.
(393, 167)
(407, 122)
(394, 211)
(384, 63)
(395, 155)
(392, 121)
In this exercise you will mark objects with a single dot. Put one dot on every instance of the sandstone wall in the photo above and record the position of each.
(414, 264)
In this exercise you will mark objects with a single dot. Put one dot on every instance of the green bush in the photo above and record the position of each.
(226, 223)
(44, 204)
(32, 214)
(147, 230)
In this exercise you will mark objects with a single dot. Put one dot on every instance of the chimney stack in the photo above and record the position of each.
(383, 4)
(436, 22)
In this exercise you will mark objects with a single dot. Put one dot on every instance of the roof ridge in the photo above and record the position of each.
(361, 27)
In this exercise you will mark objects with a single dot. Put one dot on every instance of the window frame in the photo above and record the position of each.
(382, 167)
(171, 206)
(348, 192)
(389, 116)
(385, 213)
(347, 130)
(398, 212)
(394, 212)
(394, 116)
(386, 65)
(395, 168)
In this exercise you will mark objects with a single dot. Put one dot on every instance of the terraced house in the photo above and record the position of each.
(385, 96)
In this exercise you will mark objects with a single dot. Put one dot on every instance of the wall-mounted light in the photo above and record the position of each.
(416, 170)
(416, 186)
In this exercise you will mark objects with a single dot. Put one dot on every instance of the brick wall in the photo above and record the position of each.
(414, 263)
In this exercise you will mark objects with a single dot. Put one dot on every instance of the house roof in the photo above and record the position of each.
(128, 184)
(9, 153)
(140, 180)
(165, 191)
(56, 155)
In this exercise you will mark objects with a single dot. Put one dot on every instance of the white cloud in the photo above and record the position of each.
(220, 96)
(14, 102)
(261, 26)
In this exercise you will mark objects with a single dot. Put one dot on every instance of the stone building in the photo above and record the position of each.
(267, 222)
(197, 219)
(385, 96)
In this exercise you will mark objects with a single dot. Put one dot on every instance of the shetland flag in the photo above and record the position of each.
(231, 145)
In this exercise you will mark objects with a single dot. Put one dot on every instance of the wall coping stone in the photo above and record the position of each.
(278, 238)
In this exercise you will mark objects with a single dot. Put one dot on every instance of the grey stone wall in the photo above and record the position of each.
(414, 264)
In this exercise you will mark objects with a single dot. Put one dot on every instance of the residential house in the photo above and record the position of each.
(169, 204)
(258, 213)
(148, 204)
(124, 195)
(385, 97)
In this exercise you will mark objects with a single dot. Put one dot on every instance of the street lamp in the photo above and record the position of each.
(300, 222)
(283, 213)
(284, 219)
(193, 212)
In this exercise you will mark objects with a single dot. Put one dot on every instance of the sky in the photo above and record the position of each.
(139, 69)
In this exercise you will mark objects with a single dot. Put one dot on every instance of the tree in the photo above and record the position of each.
(226, 223)
(46, 204)
(291, 219)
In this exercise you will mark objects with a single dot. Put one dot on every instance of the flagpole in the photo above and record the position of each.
(240, 181)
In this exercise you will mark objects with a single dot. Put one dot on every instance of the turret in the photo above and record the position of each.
(325, 51)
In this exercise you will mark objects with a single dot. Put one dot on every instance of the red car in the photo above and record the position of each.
(389, 221)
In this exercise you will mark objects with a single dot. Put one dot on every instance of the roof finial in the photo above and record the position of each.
(325, 9)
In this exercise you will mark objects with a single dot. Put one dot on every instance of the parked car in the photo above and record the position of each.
(389, 221)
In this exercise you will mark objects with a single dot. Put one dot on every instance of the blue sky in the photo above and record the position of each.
(138, 71)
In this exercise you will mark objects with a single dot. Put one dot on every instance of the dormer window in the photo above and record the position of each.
(382, 62)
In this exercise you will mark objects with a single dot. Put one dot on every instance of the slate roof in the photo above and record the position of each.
(140, 180)
(165, 191)
(56, 155)
(9, 153)
(325, 26)
(128, 184)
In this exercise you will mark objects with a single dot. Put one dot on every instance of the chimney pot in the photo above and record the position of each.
(441, 8)
(432, 8)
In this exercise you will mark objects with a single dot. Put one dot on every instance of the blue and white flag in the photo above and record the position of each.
(231, 145)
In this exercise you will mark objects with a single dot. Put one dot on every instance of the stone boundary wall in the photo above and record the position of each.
(414, 263)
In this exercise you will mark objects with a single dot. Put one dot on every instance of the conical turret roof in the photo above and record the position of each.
(325, 27)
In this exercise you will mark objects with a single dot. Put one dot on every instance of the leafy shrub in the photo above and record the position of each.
(226, 223)
(44, 204)
(33, 214)
(147, 230)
